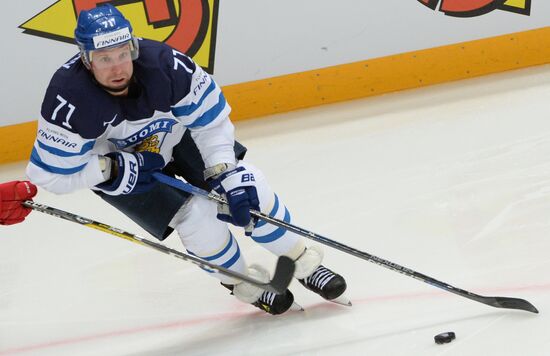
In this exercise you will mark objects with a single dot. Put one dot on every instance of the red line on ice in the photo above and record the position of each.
(228, 316)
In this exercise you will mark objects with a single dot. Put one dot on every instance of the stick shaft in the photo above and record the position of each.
(155, 246)
(498, 302)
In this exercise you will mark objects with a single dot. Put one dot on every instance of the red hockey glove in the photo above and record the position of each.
(11, 196)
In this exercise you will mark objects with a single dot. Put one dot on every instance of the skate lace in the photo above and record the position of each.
(267, 298)
(320, 277)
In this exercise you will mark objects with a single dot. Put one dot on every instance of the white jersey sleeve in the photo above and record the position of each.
(62, 161)
(204, 111)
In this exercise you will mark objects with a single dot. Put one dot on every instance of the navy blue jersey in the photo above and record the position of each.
(79, 121)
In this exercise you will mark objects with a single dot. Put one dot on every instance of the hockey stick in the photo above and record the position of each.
(284, 270)
(497, 302)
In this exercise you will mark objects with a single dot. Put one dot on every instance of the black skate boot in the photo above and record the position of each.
(327, 284)
(275, 304)
(272, 303)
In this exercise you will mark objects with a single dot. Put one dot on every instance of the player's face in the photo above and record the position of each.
(113, 68)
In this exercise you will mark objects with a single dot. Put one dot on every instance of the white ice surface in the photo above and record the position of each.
(452, 181)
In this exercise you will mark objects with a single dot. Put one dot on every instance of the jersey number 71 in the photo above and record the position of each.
(62, 103)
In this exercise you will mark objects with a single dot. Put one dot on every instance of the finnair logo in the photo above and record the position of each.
(58, 140)
(160, 125)
(113, 38)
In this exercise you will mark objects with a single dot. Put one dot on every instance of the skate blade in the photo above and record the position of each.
(296, 307)
(342, 300)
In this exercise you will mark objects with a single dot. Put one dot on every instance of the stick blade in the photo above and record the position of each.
(514, 303)
(284, 271)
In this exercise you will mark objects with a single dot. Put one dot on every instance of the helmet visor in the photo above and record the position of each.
(113, 56)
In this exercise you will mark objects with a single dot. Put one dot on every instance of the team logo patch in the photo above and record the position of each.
(161, 125)
(471, 8)
(189, 26)
(150, 144)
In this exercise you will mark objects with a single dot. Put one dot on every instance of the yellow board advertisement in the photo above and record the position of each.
(187, 25)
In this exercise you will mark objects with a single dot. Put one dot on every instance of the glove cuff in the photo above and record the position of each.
(215, 171)
(127, 176)
(106, 165)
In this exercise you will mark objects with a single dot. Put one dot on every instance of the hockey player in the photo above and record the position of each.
(12, 194)
(124, 108)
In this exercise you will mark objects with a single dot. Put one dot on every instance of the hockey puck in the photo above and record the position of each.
(444, 338)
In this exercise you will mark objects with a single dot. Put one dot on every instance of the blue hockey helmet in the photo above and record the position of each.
(103, 27)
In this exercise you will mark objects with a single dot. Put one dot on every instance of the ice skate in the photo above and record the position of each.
(269, 302)
(319, 279)
(275, 304)
(329, 285)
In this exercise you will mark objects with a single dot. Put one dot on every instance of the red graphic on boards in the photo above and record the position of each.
(157, 11)
(471, 8)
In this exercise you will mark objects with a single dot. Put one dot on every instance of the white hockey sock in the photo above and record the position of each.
(277, 239)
